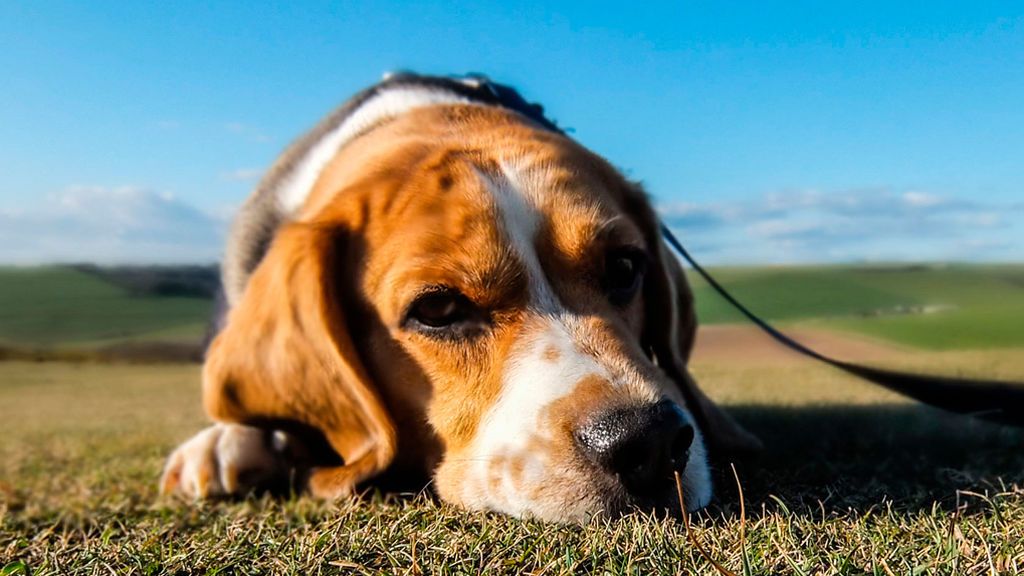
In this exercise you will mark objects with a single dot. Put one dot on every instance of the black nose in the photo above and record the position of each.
(642, 444)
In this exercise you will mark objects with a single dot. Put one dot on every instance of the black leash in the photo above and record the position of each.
(995, 400)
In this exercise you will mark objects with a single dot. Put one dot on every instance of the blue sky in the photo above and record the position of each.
(768, 132)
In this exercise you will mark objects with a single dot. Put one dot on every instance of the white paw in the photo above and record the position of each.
(225, 460)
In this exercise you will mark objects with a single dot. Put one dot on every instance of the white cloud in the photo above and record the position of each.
(850, 225)
(106, 225)
(921, 199)
(136, 225)
(242, 174)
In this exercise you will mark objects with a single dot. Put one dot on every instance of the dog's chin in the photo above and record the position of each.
(666, 501)
(603, 496)
(613, 504)
(690, 488)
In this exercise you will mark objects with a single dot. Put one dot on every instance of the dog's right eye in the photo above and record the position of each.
(445, 312)
(624, 273)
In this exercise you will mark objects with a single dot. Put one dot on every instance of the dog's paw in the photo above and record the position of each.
(228, 460)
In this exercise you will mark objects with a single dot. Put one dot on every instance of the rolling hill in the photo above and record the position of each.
(937, 306)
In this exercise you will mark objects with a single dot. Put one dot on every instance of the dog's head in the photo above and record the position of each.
(488, 301)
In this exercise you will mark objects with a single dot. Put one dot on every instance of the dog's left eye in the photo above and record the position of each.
(443, 311)
(623, 273)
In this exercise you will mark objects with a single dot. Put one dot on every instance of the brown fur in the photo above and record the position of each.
(316, 335)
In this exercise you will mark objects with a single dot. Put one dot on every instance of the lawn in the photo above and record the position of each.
(853, 481)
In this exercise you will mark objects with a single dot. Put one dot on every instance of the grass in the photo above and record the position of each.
(854, 481)
(934, 307)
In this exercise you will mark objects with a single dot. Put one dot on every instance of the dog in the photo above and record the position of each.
(437, 283)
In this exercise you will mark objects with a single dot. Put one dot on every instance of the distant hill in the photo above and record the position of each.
(162, 312)
(103, 310)
(931, 306)
(159, 281)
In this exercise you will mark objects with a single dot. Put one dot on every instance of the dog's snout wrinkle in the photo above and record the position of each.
(641, 444)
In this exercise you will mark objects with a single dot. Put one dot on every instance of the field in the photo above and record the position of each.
(941, 307)
(853, 480)
(64, 309)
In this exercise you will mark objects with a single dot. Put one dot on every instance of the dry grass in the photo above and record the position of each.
(854, 481)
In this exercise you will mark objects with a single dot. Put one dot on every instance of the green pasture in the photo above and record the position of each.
(58, 306)
(935, 306)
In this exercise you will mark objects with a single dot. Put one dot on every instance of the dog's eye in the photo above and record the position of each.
(443, 310)
(623, 273)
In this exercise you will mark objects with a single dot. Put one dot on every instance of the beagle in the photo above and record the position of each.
(436, 283)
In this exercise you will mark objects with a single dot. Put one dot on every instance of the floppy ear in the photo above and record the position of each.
(286, 354)
(670, 328)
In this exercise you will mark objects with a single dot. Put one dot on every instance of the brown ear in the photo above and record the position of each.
(669, 332)
(286, 354)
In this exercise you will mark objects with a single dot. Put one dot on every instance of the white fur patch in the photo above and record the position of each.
(295, 188)
(520, 220)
